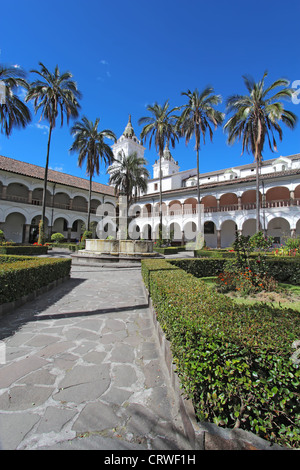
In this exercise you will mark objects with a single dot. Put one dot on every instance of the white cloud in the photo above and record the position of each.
(56, 168)
(103, 62)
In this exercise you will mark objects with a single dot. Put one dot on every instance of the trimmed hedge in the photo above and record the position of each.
(168, 250)
(282, 269)
(19, 278)
(234, 361)
(24, 250)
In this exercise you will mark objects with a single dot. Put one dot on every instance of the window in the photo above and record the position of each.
(155, 186)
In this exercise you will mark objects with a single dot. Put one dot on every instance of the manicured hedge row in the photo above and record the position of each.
(20, 278)
(233, 361)
(170, 250)
(14, 258)
(24, 250)
(282, 269)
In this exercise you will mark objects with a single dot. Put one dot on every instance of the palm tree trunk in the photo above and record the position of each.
(257, 196)
(45, 179)
(160, 197)
(89, 204)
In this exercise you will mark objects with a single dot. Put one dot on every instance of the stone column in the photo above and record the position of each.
(30, 196)
(26, 233)
(69, 234)
(218, 205)
(293, 233)
(218, 238)
(4, 189)
(239, 203)
(292, 198)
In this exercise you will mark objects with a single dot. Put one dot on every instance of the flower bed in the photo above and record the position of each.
(234, 361)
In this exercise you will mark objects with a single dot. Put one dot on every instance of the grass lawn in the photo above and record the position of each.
(288, 296)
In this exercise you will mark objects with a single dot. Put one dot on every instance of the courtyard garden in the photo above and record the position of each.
(233, 324)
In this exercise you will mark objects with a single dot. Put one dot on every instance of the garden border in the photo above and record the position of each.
(204, 435)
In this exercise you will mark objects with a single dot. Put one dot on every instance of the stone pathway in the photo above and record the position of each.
(83, 369)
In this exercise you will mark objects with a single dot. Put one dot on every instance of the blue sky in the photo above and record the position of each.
(126, 55)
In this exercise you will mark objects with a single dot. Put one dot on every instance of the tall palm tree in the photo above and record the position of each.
(13, 112)
(55, 94)
(129, 175)
(90, 145)
(196, 119)
(160, 126)
(256, 118)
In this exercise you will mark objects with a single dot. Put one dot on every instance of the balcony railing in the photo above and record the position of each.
(224, 208)
(38, 202)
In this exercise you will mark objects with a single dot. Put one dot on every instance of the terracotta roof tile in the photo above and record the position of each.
(28, 169)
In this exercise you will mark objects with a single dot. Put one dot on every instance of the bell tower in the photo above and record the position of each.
(128, 142)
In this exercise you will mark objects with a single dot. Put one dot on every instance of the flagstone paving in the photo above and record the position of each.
(83, 369)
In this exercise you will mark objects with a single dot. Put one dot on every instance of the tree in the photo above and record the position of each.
(160, 126)
(13, 112)
(55, 94)
(129, 176)
(256, 118)
(90, 145)
(195, 120)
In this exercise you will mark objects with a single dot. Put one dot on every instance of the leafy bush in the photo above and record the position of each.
(234, 361)
(2, 236)
(86, 234)
(20, 278)
(57, 237)
(23, 250)
(168, 250)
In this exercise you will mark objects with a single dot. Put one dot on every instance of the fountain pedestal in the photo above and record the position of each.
(115, 251)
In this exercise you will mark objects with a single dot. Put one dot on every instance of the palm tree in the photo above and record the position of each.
(13, 112)
(256, 118)
(89, 144)
(129, 176)
(55, 94)
(160, 126)
(196, 119)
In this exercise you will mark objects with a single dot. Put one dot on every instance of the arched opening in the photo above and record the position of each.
(279, 229)
(210, 203)
(278, 197)
(147, 210)
(210, 234)
(77, 230)
(249, 228)
(298, 229)
(228, 202)
(228, 231)
(34, 229)
(175, 233)
(175, 208)
(248, 199)
(147, 232)
(61, 226)
(14, 227)
(79, 204)
(297, 195)
(190, 231)
(190, 206)
(94, 205)
(17, 192)
(37, 197)
(61, 201)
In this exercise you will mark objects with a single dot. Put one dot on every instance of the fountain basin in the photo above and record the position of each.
(99, 251)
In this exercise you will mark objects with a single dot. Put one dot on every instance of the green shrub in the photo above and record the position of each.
(24, 250)
(282, 269)
(57, 237)
(14, 258)
(20, 278)
(168, 250)
(2, 236)
(86, 234)
(234, 361)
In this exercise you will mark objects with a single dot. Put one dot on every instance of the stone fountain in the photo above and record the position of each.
(100, 251)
